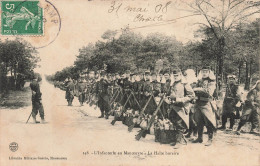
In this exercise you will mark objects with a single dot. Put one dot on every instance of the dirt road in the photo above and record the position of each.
(70, 137)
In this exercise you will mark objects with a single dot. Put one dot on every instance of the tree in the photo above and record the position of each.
(221, 16)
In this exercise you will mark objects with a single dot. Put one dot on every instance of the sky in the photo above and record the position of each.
(84, 21)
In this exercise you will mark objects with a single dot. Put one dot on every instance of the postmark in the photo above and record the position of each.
(50, 22)
(21, 18)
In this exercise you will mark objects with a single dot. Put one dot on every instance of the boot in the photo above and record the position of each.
(43, 120)
(189, 134)
(210, 140)
(222, 128)
(106, 117)
(102, 115)
(35, 121)
(198, 140)
(180, 140)
(254, 131)
(239, 128)
(200, 135)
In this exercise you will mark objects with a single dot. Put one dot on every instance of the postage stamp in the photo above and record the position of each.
(21, 18)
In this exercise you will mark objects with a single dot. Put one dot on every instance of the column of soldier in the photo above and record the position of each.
(164, 104)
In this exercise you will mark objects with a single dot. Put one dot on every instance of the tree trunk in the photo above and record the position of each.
(247, 74)
(239, 71)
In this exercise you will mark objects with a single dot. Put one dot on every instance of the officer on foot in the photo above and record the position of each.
(36, 100)
(204, 114)
(181, 95)
(103, 96)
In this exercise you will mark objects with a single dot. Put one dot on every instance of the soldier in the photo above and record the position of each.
(81, 87)
(147, 92)
(192, 80)
(204, 114)
(181, 95)
(156, 85)
(251, 109)
(36, 100)
(103, 96)
(232, 97)
(70, 87)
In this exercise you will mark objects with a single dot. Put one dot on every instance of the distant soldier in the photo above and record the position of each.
(232, 98)
(69, 85)
(90, 82)
(103, 96)
(81, 88)
(181, 95)
(156, 85)
(251, 109)
(36, 100)
(204, 114)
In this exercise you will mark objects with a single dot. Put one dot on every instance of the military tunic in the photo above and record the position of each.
(36, 99)
(204, 114)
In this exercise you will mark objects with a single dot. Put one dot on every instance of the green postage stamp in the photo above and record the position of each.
(21, 18)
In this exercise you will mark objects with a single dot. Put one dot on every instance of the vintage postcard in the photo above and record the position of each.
(129, 82)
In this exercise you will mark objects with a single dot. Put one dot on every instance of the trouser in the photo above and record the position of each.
(37, 107)
(179, 124)
(103, 105)
(231, 116)
(253, 117)
(192, 125)
(81, 97)
(203, 121)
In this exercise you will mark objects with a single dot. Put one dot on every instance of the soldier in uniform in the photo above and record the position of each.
(251, 109)
(181, 95)
(81, 87)
(36, 100)
(232, 97)
(69, 85)
(103, 96)
(166, 90)
(204, 114)
(156, 85)
(147, 92)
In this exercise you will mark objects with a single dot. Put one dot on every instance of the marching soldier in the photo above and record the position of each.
(69, 85)
(103, 96)
(36, 100)
(204, 114)
(251, 109)
(181, 95)
(232, 97)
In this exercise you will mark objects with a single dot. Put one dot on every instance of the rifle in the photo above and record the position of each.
(116, 95)
(130, 128)
(29, 117)
(114, 121)
(143, 132)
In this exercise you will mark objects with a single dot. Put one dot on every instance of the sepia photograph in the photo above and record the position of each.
(129, 82)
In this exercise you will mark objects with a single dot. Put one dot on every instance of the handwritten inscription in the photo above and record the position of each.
(143, 13)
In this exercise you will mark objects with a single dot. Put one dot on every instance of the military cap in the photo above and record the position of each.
(147, 72)
(161, 72)
(206, 67)
(102, 72)
(176, 71)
